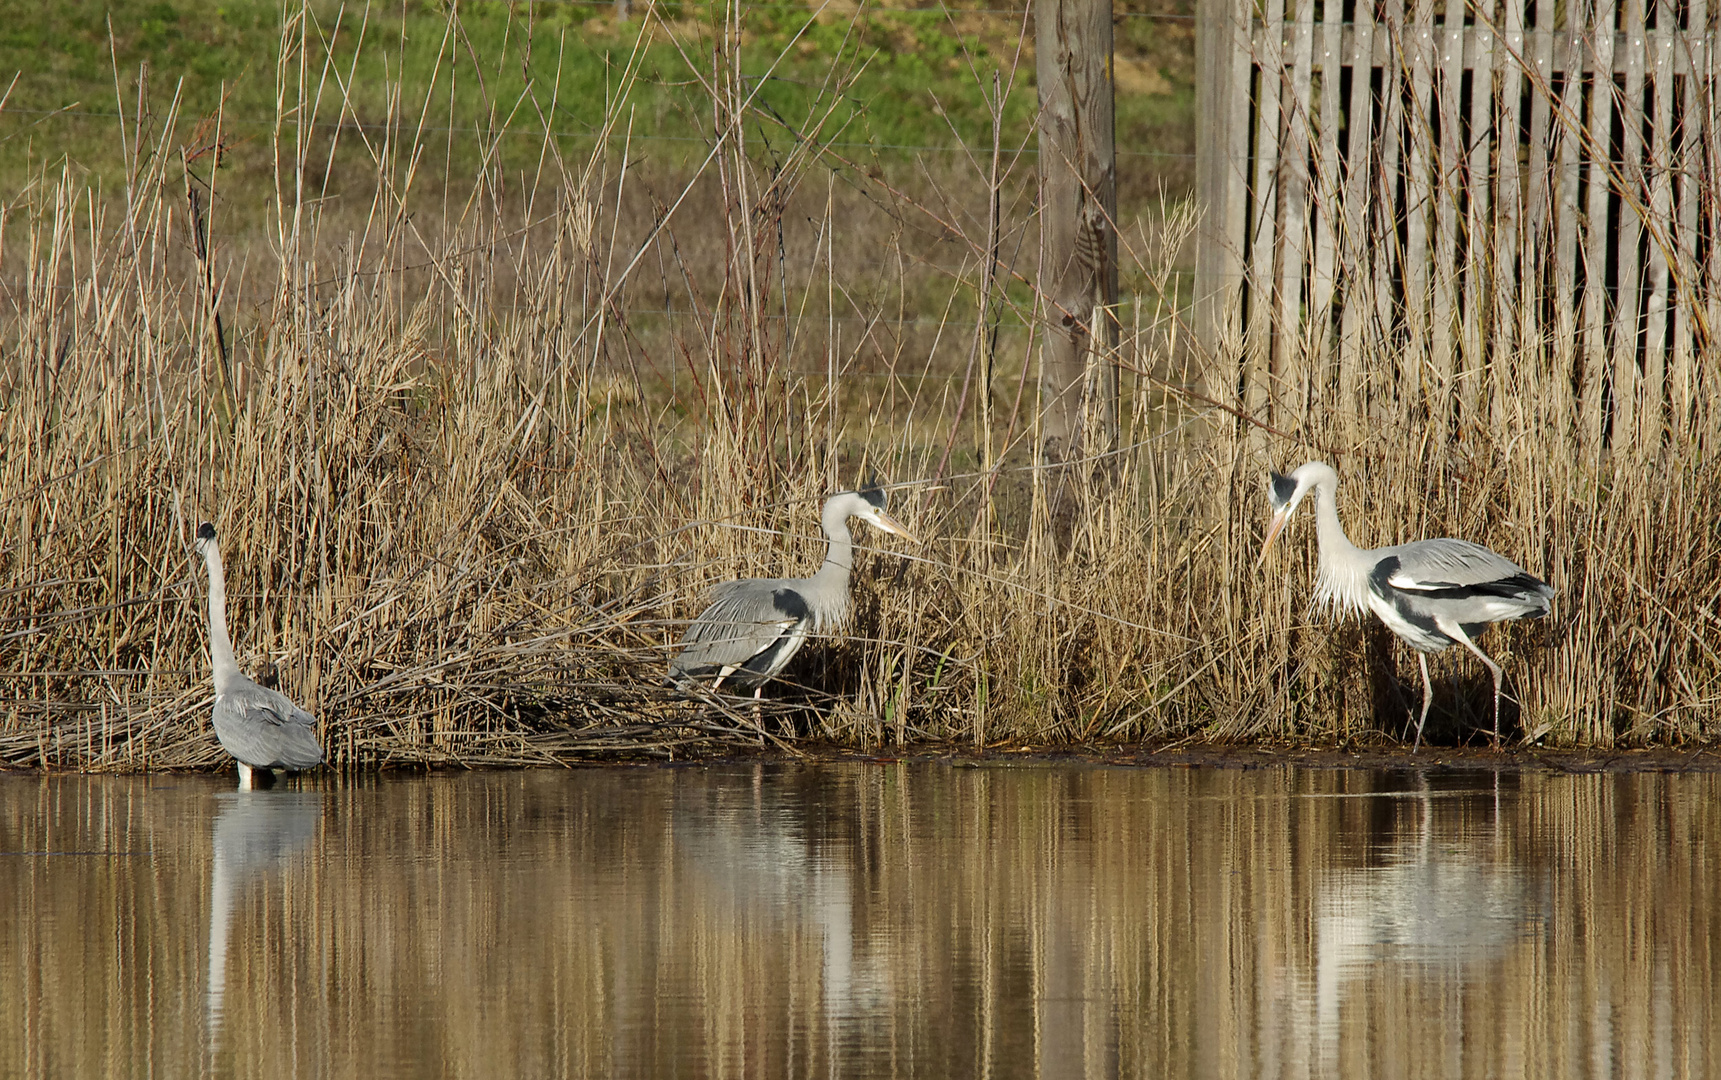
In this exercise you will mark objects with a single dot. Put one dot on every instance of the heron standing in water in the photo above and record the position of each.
(261, 728)
(1431, 593)
(754, 627)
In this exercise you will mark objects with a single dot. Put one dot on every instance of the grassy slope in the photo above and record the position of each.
(916, 88)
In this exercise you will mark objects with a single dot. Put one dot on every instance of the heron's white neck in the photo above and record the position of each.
(220, 645)
(829, 588)
(220, 912)
(1344, 568)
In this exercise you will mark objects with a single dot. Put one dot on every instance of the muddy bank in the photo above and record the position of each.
(1228, 756)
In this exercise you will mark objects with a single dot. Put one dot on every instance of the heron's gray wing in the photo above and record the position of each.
(745, 618)
(1447, 564)
(1460, 570)
(265, 730)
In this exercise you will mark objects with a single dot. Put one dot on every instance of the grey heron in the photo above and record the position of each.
(258, 726)
(754, 627)
(1431, 593)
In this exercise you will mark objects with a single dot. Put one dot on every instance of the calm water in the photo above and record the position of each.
(863, 920)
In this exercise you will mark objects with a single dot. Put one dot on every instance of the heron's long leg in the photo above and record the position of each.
(1427, 696)
(1457, 634)
(247, 779)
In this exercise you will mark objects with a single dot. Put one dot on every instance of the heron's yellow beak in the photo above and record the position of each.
(1274, 528)
(891, 525)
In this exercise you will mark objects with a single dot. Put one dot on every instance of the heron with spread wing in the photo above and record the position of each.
(261, 728)
(754, 627)
(1431, 593)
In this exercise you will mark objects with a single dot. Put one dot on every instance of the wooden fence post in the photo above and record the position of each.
(1221, 171)
(1078, 234)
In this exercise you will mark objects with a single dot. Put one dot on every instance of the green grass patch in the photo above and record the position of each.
(889, 86)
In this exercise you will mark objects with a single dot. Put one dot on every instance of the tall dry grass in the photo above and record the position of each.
(475, 462)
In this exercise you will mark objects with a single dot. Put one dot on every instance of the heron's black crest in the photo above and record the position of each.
(1283, 487)
(206, 531)
(874, 494)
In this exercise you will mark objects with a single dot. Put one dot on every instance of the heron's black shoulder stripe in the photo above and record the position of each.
(1524, 583)
(791, 603)
(1518, 586)
(1402, 601)
(1283, 487)
(1515, 587)
(1380, 578)
(759, 666)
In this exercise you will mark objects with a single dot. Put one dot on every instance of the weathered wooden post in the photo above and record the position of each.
(1221, 162)
(1078, 237)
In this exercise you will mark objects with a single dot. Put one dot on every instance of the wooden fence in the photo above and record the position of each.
(1461, 205)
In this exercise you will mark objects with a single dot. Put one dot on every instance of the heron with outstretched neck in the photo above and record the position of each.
(261, 728)
(753, 627)
(1431, 593)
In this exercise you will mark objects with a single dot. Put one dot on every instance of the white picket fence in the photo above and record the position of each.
(1455, 203)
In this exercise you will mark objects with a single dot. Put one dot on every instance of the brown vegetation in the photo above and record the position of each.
(473, 470)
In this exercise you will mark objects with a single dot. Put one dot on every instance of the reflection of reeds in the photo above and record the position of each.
(485, 459)
(785, 921)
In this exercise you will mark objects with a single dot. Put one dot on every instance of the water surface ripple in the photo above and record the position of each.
(868, 920)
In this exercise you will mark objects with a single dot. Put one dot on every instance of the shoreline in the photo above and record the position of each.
(1176, 754)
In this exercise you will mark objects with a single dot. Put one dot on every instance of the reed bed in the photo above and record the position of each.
(475, 461)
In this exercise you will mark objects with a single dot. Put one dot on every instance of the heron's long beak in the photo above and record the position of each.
(891, 525)
(1274, 528)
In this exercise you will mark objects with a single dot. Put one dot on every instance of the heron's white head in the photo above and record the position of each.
(1285, 492)
(868, 505)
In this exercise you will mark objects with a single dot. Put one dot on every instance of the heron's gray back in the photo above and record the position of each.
(745, 618)
(265, 730)
(1451, 562)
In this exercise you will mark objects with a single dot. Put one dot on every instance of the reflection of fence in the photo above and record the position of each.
(1483, 199)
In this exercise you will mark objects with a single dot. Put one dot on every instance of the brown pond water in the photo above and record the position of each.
(868, 920)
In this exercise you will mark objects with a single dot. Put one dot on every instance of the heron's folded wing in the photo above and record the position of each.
(266, 706)
(262, 727)
(1459, 566)
(745, 619)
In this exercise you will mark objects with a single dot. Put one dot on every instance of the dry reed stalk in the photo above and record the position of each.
(472, 487)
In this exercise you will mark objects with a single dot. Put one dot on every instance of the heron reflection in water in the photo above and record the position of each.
(754, 627)
(261, 728)
(256, 835)
(1444, 905)
(762, 859)
(1431, 593)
